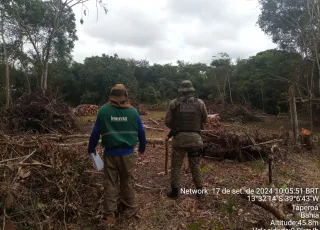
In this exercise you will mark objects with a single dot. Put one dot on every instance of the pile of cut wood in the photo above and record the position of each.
(86, 110)
(46, 183)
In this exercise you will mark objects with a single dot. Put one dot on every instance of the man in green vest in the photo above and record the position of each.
(185, 117)
(120, 126)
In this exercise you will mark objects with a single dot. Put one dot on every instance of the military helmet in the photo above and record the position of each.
(118, 93)
(186, 86)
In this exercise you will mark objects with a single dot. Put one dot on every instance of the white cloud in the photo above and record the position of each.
(170, 30)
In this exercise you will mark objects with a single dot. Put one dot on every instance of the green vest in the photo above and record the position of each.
(119, 127)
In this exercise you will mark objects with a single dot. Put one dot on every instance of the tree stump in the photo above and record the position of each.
(306, 139)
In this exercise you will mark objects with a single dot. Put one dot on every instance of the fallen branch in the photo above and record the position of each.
(36, 163)
(150, 128)
(277, 213)
(26, 158)
(263, 143)
(12, 159)
(4, 218)
(154, 121)
(252, 140)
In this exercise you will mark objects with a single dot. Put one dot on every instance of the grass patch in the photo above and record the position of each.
(155, 134)
(157, 114)
(258, 165)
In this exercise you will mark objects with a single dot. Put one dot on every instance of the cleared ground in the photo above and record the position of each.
(217, 210)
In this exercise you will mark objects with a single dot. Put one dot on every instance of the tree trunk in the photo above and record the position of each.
(224, 90)
(44, 76)
(6, 61)
(28, 86)
(218, 86)
(294, 117)
(230, 93)
(8, 91)
(262, 97)
(311, 116)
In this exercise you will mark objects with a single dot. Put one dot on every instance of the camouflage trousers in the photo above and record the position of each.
(119, 185)
(178, 154)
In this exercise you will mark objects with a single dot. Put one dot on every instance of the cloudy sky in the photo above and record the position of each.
(165, 31)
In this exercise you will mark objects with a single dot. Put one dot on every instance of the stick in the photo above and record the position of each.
(263, 143)
(4, 208)
(166, 156)
(37, 163)
(28, 156)
(277, 213)
(270, 159)
(155, 122)
(12, 159)
(252, 140)
(4, 217)
(157, 129)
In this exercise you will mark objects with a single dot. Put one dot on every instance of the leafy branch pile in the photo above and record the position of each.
(46, 184)
(233, 112)
(225, 143)
(38, 113)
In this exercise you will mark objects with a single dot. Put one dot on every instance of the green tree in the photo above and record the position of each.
(295, 26)
(263, 79)
(49, 25)
(150, 95)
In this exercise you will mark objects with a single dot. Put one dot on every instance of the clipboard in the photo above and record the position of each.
(98, 162)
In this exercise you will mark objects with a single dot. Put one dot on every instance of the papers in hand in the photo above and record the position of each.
(98, 163)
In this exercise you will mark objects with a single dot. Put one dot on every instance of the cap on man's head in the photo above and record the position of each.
(186, 86)
(118, 93)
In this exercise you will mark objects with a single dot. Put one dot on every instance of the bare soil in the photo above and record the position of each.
(217, 210)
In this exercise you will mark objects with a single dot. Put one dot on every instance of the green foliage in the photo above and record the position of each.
(149, 94)
(229, 208)
(262, 80)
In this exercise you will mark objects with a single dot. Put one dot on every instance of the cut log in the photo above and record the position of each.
(277, 213)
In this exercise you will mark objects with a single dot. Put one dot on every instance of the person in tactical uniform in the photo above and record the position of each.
(186, 117)
(119, 125)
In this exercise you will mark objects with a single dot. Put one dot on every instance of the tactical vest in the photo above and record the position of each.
(187, 116)
(119, 127)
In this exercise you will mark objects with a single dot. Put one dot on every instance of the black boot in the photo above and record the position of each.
(200, 193)
(174, 193)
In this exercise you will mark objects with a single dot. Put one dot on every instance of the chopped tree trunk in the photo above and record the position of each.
(306, 139)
